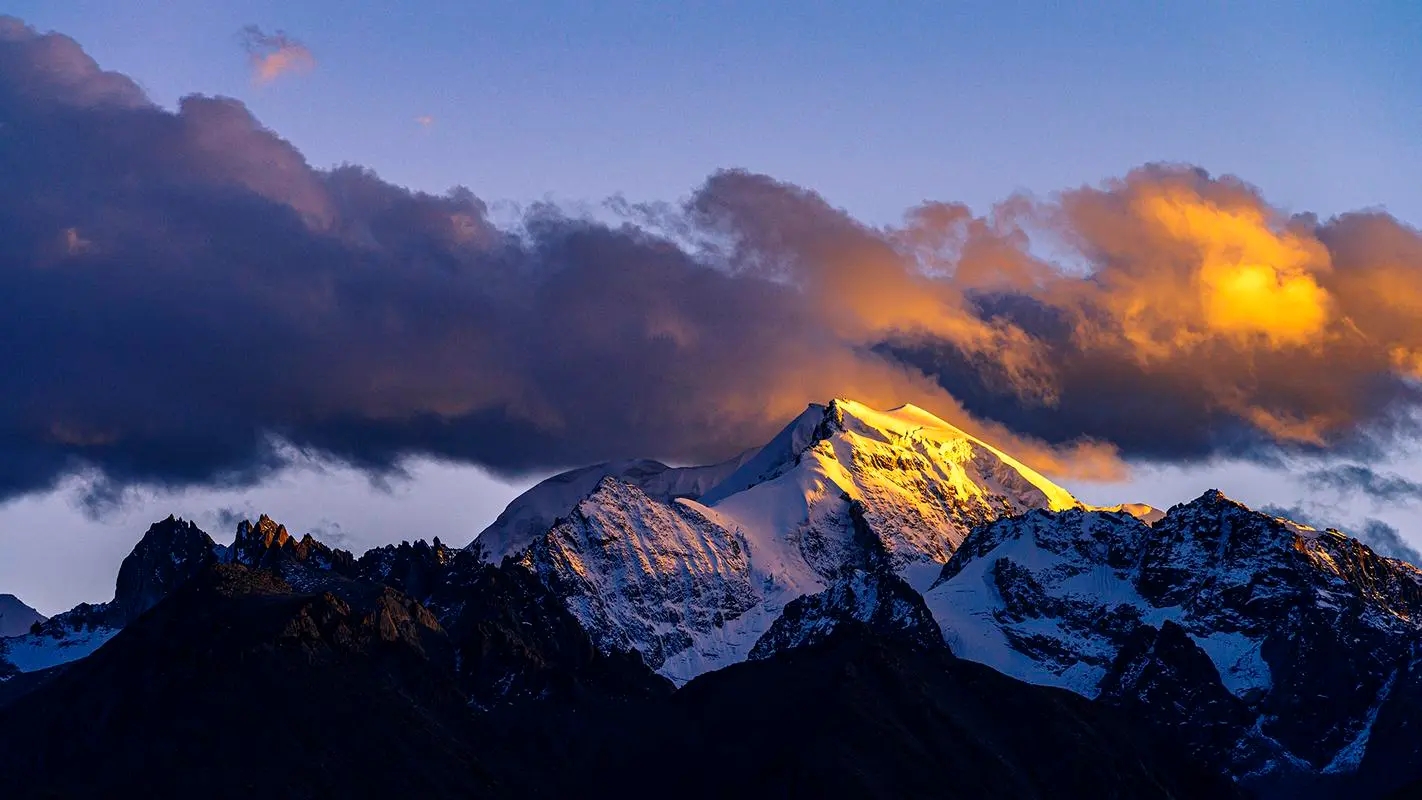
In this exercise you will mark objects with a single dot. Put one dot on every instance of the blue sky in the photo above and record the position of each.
(876, 106)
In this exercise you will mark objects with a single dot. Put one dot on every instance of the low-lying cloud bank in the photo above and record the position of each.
(181, 291)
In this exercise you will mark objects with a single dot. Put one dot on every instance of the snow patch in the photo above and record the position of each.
(34, 652)
(1237, 657)
(1351, 755)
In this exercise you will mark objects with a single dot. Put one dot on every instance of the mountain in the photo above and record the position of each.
(875, 599)
(240, 685)
(1268, 646)
(237, 687)
(60, 639)
(16, 617)
(693, 585)
(522, 642)
(170, 553)
(873, 602)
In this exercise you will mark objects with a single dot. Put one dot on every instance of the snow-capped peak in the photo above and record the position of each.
(843, 487)
(908, 422)
(918, 483)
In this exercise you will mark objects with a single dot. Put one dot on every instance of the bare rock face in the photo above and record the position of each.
(168, 555)
(268, 543)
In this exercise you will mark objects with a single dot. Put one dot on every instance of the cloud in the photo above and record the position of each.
(1192, 320)
(228, 518)
(275, 54)
(331, 534)
(1382, 487)
(1385, 540)
(231, 306)
(1381, 537)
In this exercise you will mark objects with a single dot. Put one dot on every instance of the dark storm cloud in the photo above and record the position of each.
(181, 293)
(183, 299)
(1381, 487)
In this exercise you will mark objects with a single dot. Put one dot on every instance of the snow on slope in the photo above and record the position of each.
(33, 652)
(642, 574)
(62, 638)
(536, 510)
(995, 602)
(694, 585)
(16, 617)
(1036, 596)
(770, 460)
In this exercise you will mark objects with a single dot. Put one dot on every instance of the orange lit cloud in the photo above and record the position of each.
(1179, 269)
(1186, 307)
(1253, 280)
(276, 54)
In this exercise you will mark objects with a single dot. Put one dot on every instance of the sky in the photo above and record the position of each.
(874, 109)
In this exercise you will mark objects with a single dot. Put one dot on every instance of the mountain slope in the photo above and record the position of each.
(859, 716)
(684, 573)
(1282, 656)
(514, 640)
(536, 510)
(235, 687)
(16, 617)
